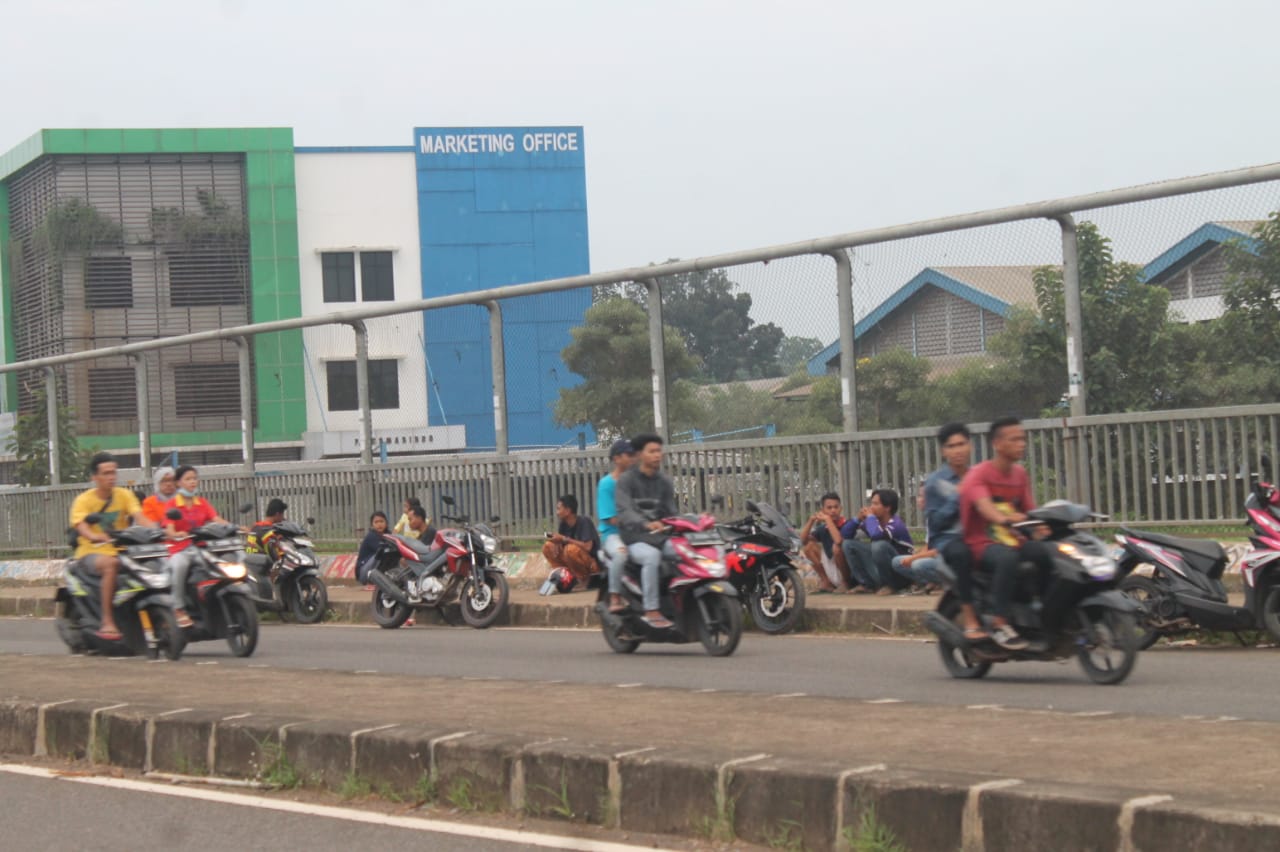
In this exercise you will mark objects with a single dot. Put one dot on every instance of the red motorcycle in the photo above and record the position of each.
(458, 566)
(696, 595)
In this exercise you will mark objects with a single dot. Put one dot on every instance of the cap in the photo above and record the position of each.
(620, 446)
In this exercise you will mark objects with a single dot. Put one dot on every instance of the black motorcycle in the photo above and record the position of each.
(1184, 589)
(286, 578)
(759, 552)
(142, 604)
(1091, 619)
(217, 597)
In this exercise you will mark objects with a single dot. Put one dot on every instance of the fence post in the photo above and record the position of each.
(144, 415)
(658, 360)
(244, 348)
(365, 475)
(1077, 449)
(51, 407)
(847, 450)
(498, 355)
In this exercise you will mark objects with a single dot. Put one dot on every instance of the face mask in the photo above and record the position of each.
(185, 493)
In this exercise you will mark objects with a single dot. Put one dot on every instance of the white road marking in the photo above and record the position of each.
(501, 835)
(983, 707)
(207, 663)
(1125, 820)
(885, 701)
(790, 695)
(1085, 713)
(628, 685)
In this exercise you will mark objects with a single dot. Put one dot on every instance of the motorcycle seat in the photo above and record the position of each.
(1198, 546)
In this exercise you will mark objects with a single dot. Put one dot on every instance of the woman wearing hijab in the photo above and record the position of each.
(166, 485)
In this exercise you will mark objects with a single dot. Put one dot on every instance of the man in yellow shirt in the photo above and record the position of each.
(118, 508)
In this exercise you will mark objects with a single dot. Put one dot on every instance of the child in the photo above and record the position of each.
(369, 546)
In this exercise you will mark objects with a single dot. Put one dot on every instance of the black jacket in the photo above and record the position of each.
(633, 487)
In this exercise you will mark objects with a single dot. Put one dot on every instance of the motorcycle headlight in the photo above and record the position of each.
(1099, 567)
(233, 570)
(713, 567)
(303, 542)
(490, 543)
(795, 544)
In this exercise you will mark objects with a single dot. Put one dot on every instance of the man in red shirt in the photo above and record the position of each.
(994, 495)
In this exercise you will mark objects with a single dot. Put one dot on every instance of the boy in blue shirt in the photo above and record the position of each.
(613, 551)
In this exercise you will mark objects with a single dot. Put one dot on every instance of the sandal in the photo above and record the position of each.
(184, 620)
(618, 608)
(975, 634)
(109, 635)
(822, 591)
(659, 623)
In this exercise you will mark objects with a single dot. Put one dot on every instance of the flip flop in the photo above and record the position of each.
(109, 635)
(975, 634)
(184, 620)
(821, 591)
(657, 623)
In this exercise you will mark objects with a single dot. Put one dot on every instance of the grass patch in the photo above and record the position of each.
(719, 827)
(461, 796)
(788, 835)
(276, 769)
(355, 787)
(426, 790)
(561, 807)
(871, 835)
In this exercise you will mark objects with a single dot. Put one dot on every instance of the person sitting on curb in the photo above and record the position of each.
(369, 546)
(821, 542)
(575, 543)
(871, 562)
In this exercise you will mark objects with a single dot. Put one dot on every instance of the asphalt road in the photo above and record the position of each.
(113, 814)
(1176, 682)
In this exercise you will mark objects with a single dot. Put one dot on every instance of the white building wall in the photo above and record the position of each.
(363, 201)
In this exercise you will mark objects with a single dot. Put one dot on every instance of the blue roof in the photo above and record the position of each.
(1192, 246)
(929, 275)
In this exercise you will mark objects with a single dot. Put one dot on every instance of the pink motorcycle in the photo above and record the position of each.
(697, 596)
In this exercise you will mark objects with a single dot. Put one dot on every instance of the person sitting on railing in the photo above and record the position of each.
(575, 542)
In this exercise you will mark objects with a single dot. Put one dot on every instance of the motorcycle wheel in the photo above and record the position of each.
(958, 662)
(1109, 644)
(389, 613)
(613, 638)
(168, 639)
(242, 625)
(1148, 593)
(308, 599)
(1271, 612)
(484, 604)
(778, 608)
(720, 637)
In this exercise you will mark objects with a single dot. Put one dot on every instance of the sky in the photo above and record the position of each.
(709, 126)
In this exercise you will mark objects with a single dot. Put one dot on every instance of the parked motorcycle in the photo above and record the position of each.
(458, 565)
(696, 595)
(759, 553)
(1094, 621)
(287, 577)
(142, 605)
(217, 597)
(1185, 590)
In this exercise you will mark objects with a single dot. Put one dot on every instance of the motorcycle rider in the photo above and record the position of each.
(260, 534)
(166, 487)
(118, 508)
(645, 541)
(614, 552)
(993, 495)
(196, 512)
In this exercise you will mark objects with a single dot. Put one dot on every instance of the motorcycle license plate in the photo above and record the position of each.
(703, 538)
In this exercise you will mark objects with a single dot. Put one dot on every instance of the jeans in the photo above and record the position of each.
(614, 554)
(870, 563)
(650, 560)
(1003, 561)
(960, 560)
(921, 570)
(179, 564)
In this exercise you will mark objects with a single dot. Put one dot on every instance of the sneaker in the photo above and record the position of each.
(1006, 637)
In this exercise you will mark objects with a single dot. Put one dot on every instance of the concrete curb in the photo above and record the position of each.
(711, 793)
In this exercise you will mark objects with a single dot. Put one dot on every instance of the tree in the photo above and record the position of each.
(886, 385)
(715, 323)
(1252, 297)
(794, 353)
(610, 350)
(30, 442)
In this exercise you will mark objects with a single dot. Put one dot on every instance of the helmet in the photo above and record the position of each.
(559, 580)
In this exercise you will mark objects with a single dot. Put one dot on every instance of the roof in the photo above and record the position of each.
(993, 288)
(767, 385)
(1196, 244)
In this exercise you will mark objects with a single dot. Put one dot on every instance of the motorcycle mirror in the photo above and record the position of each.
(494, 519)
(447, 500)
(246, 508)
(752, 507)
(173, 515)
(310, 521)
(717, 501)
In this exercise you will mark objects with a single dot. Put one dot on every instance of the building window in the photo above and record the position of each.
(207, 390)
(384, 384)
(339, 270)
(108, 282)
(201, 278)
(113, 393)
(377, 283)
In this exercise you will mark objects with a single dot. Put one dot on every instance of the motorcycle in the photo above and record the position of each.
(457, 566)
(1185, 590)
(760, 548)
(287, 576)
(1094, 621)
(217, 597)
(696, 595)
(142, 604)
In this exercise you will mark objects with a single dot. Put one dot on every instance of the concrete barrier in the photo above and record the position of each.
(709, 792)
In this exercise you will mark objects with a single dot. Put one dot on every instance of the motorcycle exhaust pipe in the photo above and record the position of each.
(945, 629)
(387, 587)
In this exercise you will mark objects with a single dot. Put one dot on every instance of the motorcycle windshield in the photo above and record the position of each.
(772, 522)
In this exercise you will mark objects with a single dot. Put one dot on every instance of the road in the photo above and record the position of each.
(1209, 682)
(103, 813)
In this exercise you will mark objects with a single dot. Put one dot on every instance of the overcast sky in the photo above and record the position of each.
(709, 126)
